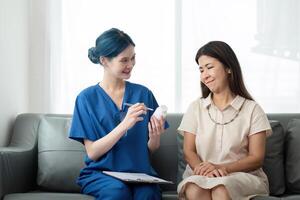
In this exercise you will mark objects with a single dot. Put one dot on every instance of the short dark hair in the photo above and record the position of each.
(109, 44)
(224, 53)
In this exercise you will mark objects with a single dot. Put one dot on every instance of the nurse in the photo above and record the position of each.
(117, 137)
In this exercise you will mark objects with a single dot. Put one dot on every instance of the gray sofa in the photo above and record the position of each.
(42, 163)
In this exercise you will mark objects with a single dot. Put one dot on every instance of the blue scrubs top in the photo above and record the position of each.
(95, 115)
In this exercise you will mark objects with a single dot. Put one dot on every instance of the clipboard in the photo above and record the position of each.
(136, 177)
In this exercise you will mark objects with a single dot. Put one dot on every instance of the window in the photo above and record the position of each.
(149, 23)
(273, 80)
(168, 34)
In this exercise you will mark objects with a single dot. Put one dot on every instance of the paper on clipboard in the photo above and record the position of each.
(137, 177)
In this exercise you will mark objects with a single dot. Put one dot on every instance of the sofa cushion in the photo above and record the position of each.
(59, 158)
(292, 164)
(273, 163)
(266, 198)
(180, 157)
(274, 159)
(46, 195)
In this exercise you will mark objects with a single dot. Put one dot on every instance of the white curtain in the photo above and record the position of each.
(45, 77)
(278, 28)
(263, 33)
(249, 27)
(149, 23)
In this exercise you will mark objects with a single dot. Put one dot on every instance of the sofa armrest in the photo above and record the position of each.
(17, 170)
(18, 161)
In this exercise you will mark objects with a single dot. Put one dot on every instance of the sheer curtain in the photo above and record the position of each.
(167, 36)
(149, 23)
(44, 55)
(249, 27)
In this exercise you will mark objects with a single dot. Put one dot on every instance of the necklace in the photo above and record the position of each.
(231, 120)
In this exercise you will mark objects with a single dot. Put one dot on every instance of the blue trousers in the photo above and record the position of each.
(105, 187)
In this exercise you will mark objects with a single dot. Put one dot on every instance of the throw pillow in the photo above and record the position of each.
(180, 157)
(292, 164)
(274, 159)
(59, 158)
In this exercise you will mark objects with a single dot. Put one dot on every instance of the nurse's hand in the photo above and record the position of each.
(134, 115)
(155, 128)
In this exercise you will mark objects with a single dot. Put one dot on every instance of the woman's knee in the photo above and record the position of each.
(220, 192)
(193, 191)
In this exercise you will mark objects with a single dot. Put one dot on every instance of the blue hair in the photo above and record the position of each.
(109, 44)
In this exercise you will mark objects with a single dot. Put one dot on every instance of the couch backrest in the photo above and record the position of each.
(167, 161)
(48, 154)
(283, 118)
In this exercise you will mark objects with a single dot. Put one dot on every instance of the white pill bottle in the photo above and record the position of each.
(161, 111)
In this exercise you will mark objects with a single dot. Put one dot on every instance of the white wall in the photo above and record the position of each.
(14, 57)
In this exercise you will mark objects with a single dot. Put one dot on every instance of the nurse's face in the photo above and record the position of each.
(121, 65)
(213, 74)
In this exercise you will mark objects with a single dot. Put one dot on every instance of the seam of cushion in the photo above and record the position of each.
(60, 150)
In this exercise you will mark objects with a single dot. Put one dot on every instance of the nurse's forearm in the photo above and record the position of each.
(153, 144)
(96, 149)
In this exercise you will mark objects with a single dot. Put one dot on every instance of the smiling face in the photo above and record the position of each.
(213, 74)
(120, 66)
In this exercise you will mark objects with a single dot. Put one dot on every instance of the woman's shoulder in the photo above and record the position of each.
(137, 87)
(253, 107)
(197, 103)
(88, 91)
(250, 103)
